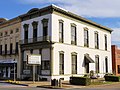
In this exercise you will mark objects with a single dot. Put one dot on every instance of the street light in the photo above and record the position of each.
(14, 69)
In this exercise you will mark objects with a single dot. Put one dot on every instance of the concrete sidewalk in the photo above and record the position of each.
(65, 84)
(44, 84)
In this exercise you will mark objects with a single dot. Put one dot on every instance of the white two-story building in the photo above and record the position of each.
(69, 45)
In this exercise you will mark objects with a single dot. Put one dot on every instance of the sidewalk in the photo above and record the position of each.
(44, 84)
(65, 84)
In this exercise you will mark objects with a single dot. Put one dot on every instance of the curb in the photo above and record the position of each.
(17, 83)
(49, 87)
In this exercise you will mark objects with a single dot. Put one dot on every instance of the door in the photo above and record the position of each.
(87, 67)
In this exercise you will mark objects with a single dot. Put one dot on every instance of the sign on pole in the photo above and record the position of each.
(34, 59)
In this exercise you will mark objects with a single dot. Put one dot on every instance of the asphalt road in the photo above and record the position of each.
(7, 86)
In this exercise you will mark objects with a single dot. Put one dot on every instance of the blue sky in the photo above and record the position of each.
(105, 12)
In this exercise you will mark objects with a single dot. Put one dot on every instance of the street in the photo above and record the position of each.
(7, 86)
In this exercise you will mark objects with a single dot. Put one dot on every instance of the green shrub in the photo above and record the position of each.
(80, 81)
(112, 78)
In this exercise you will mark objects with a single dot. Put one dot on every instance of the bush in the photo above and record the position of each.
(112, 78)
(80, 81)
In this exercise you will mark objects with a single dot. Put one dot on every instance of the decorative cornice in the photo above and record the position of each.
(52, 8)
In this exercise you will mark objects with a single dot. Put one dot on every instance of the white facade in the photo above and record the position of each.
(79, 48)
(52, 55)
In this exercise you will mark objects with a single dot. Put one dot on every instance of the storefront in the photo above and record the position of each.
(7, 68)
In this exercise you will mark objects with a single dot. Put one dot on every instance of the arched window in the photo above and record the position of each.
(106, 64)
(86, 37)
(61, 31)
(73, 34)
(61, 62)
(74, 62)
(105, 42)
(96, 40)
(97, 64)
(35, 27)
(26, 26)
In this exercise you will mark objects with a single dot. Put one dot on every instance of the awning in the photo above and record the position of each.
(8, 61)
(88, 59)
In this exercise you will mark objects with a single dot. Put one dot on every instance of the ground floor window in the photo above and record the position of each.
(97, 63)
(45, 65)
(118, 69)
(74, 63)
(61, 63)
(106, 65)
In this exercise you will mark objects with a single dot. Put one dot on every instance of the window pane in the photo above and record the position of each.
(73, 35)
(86, 38)
(60, 32)
(97, 63)
(45, 65)
(61, 63)
(74, 64)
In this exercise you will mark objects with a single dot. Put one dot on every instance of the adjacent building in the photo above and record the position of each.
(116, 60)
(68, 44)
(9, 38)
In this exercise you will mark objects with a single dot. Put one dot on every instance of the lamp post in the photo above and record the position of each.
(14, 69)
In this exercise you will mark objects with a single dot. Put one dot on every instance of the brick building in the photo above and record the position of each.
(116, 60)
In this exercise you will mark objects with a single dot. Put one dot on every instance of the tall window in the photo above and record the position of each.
(35, 25)
(16, 47)
(86, 37)
(74, 63)
(61, 31)
(105, 42)
(73, 34)
(96, 40)
(11, 32)
(1, 34)
(6, 33)
(45, 27)
(17, 30)
(106, 64)
(45, 65)
(5, 48)
(61, 63)
(11, 47)
(97, 63)
(26, 26)
(0, 49)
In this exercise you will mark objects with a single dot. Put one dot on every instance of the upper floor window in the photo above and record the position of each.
(97, 64)
(16, 48)
(105, 42)
(45, 27)
(26, 26)
(11, 47)
(61, 29)
(5, 48)
(11, 31)
(35, 25)
(96, 40)
(74, 63)
(1, 34)
(6, 33)
(17, 30)
(61, 62)
(86, 37)
(73, 34)
(0, 49)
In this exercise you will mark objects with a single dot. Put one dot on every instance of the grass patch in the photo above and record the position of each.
(101, 83)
